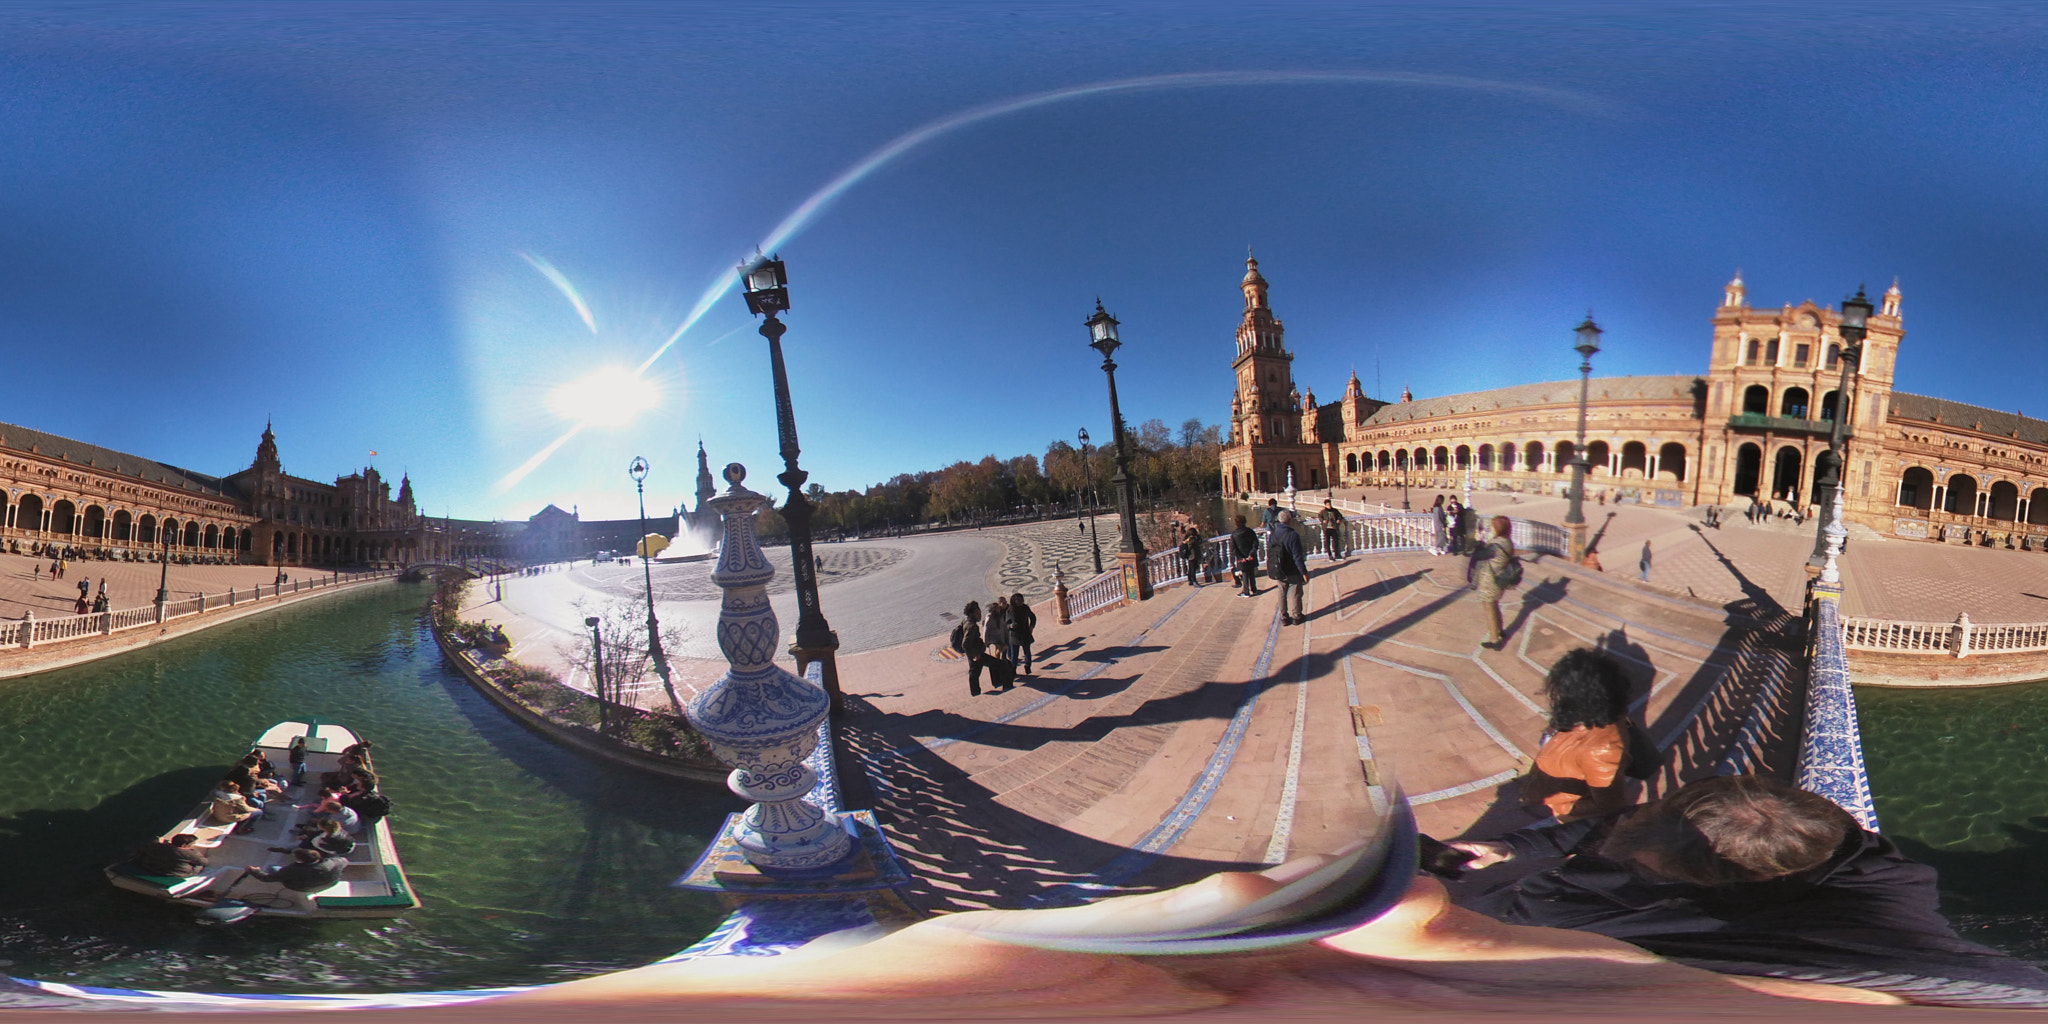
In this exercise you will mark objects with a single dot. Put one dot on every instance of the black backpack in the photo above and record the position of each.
(959, 640)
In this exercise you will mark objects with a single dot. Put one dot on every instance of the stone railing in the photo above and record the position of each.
(1958, 639)
(1101, 593)
(30, 631)
(1830, 746)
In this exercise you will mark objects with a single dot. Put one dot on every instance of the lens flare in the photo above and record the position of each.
(609, 397)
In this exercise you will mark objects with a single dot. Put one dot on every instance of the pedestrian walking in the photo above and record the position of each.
(1023, 630)
(1644, 563)
(1463, 534)
(995, 627)
(1494, 569)
(1436, 514)
(967, 640)
(1286, 564)
(1244, 550)
(103, 586)
(35, 571)
(1454, 513)
(1191, 554)
(1333, 531)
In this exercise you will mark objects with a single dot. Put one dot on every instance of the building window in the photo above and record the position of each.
(1771, 352)
(1834, 355)
(1755, 350)
(1799, 354)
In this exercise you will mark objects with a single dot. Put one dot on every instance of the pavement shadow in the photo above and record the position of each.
(965, 848)
(1549, 591)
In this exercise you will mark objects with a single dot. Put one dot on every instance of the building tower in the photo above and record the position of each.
(1266, 428)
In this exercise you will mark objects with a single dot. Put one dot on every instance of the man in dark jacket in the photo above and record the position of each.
(1288, 567)
(176, 857)
(1742, 874)
(309, 871)
(1244, 553)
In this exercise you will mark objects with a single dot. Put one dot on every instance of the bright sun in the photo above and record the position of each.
(609, 397)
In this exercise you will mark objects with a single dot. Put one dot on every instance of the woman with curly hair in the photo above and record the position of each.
(1587, 747)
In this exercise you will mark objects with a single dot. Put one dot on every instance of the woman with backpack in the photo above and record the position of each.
(1023, 626)
(1494, 569)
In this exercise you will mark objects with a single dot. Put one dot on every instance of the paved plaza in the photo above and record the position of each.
(1163, 741)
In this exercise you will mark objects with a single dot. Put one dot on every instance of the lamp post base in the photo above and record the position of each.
(1578, 532)
(829, 656)
(1137, 581)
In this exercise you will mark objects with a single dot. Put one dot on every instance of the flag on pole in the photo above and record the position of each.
(373, 452)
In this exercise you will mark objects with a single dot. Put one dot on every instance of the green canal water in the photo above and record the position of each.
(533, 864)
(1961, 782)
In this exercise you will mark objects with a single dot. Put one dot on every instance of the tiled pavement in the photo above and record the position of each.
(25, 583)
(1166, 740)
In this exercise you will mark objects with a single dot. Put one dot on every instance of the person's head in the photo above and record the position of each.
(230, 786)
(1272, 503)
(1286, 517)
(1017, 599)
(1329, 503)
(305, 856)
(330, 826)
(972, 612)
(1439, 503)
(1586, 687)
(366, 780)
(1001, 601)
(1731, 829)
(1502, 527)
(183, 839)
(1239, 520)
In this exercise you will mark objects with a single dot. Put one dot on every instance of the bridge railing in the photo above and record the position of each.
(1958, 639)
(1830, 745)
(1096, 595)
(30, 631)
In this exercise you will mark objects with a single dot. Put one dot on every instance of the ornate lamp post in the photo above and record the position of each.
(1405, 507)
(1093, 540)
(768, 294)
(163, 579)
(1828, 539)
(597, 652)
(1575, 518)
(1103, 339)
(638, 471)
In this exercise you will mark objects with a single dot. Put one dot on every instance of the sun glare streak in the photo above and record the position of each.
(561, 282)
(511, 480)
(808, 211)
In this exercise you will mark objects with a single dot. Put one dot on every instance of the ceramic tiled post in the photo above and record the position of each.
(759, 717)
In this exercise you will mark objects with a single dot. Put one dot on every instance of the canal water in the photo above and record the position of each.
(533, 864)
(1961, 783)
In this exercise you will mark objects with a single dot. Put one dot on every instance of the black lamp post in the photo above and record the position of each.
(163, 580)
(1856, 311)
(1088, 468)
(597, 652)
(638, 471)
(1103, 339)
(767, 290)
(1575, 517)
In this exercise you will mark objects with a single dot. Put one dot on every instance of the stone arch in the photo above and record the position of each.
(63, 517)
(95, 522)
(1532, 456)
(2037, 507)
(191, 534)
(211, 538)
(1962, 494)
(1827, 405)
(1508, 462)
(1566, 452)
(1486, 457)
(1794, 403)
(145, 529)
(1749, 469)
(228, 537)
(1315, 478)
(173, 533)
(124, 526)
(1635, 456)
(1756, 400)
(1401, 458)
(1671, 462)
(1386, 460)
(1916, 488)
(1820, 472)
(2004, 501)
(1461, 457)
(1785, 473)
(1351, 463)
(1441, 459)
(28, 513)
(1598, 454)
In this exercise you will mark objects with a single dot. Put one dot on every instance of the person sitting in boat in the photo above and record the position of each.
(343, 776)
(329, 840)
(360, 751)
(329, 808)
(176, 857)
(370, 804)
(229, 806)
(261, 762)
(309, 871)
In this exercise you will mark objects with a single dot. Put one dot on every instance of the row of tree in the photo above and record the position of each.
(1176, 467)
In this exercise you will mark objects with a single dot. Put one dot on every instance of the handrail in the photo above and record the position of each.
(1958, 639)
(30, 631)
(1830, 745)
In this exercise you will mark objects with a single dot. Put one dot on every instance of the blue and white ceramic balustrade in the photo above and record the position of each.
(759, 717)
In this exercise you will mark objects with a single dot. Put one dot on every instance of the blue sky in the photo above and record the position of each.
(214, 214)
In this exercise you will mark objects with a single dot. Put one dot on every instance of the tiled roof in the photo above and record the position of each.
(92, 456)
(1926, 409)
(1523, 395)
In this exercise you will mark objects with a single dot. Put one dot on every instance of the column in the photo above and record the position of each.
(1651, 473)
